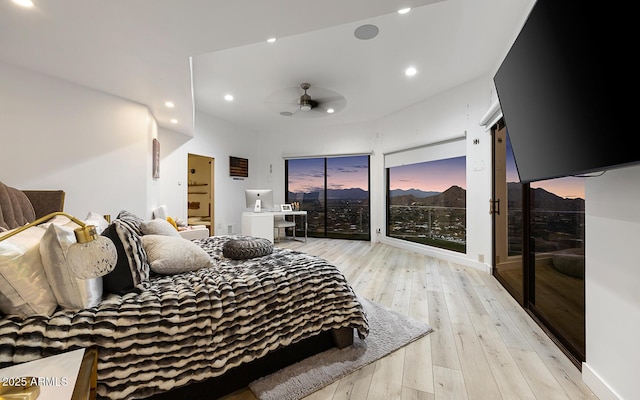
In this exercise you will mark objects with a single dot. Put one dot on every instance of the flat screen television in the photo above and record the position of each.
(264, 195)
(564, 90)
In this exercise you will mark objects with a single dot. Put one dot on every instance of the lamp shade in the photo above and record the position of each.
(93, 256)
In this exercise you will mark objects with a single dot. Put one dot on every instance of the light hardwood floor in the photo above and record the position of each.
(484, 345)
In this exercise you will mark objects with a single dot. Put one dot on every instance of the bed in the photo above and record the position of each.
(185, 328)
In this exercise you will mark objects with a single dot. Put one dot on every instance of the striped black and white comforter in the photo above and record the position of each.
(193, 326)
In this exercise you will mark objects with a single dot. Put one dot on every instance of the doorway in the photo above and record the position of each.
(539, 242)
(200, 193)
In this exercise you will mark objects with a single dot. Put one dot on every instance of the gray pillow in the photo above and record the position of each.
(172, 255)
(158, 226)
(245, 248)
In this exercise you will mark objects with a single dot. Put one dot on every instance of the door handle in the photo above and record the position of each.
(494, 206)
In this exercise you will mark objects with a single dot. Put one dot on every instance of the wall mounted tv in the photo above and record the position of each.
(563, 89)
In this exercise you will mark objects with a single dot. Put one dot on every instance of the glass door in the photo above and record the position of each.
(508, 221)
(557, 230)
(539, 233)
(334, 192)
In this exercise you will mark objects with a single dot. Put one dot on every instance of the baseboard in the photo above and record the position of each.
(597, 385)
(438, 253)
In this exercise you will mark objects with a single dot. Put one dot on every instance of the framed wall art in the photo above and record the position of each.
(156, 159)
(238, 167)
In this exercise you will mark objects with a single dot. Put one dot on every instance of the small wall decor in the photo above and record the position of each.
(156, 159)
(238, 167)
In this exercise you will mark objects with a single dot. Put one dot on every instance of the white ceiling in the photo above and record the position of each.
(146, 51)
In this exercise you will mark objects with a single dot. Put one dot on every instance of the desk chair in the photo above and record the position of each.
(279, 222)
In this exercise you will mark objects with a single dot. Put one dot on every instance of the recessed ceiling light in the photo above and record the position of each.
(404, 10)
(411, 71)
(271, 40)
(286, 113)
(24, 3)
(228, 97)
(174, 121)
(169, 104)
(330, 111)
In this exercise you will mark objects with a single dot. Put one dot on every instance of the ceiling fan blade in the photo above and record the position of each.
(329, 99)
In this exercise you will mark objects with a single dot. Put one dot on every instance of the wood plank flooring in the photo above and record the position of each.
(484, 347)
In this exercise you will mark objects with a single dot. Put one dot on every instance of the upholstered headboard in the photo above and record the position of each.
(45, 202)
(18, 208)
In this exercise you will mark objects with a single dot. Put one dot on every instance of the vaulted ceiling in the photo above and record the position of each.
(194, 52)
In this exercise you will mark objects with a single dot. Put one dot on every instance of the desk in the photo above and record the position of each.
(260, 224)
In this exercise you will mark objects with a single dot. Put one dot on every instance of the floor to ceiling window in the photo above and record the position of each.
(335, 193)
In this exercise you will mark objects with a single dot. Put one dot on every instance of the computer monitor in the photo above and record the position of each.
(264, 195)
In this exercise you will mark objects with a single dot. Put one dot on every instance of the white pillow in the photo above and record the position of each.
(70, 292)
(171, 255)
(93, 218)
(24, 289)
(160, 212)
(158, 226)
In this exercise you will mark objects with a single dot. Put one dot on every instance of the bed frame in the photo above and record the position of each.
(241, 376)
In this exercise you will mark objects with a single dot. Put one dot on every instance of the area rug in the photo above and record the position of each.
(388, 331)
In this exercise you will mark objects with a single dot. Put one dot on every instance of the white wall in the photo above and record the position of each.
(94, 146)
(613, 284)
(448, 115)
(219, 140)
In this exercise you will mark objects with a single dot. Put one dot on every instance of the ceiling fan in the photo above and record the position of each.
(308, 103)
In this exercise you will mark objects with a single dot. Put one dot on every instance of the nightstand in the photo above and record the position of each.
(67, 376)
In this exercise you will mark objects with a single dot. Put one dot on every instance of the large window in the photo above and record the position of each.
(334, 192)
(427, 203)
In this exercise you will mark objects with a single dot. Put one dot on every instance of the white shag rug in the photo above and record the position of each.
(388, 331)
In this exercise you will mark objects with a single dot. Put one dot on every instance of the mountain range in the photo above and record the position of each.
(543, 199)
(455, 196)
(359, 194)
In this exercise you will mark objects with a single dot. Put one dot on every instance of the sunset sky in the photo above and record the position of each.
(436, 176)
(307, 175)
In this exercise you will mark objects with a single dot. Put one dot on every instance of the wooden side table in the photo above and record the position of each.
(67, 376)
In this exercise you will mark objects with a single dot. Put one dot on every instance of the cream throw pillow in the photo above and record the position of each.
(70, 292)
(158, 226)
(24, 289)
(172, 255)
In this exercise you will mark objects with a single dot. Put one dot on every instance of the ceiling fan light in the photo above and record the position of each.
(305, 101)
